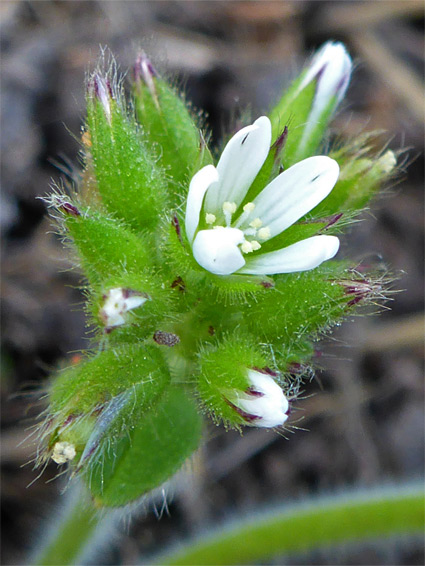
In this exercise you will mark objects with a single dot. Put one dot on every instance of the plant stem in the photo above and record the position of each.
(71, 534)
(328, 521)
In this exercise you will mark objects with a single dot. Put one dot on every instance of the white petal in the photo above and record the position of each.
(301, 256)
(332, 68)
(217, 250)
(241, 160)
(199, 184)
(134, 302)
(295, 192)
(271, 408)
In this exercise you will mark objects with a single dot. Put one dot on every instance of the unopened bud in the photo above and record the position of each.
(63, 452)
(360, 289)
(144, 71)
(263, 404)
(61, 203)
(103, 92)
(117, 302)
(331, 69)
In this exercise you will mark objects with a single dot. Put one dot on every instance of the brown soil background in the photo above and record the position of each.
(364, 415)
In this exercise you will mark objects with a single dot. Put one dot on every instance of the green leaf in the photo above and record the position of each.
(148, 454)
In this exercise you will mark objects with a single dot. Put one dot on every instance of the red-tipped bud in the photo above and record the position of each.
(102, 90)
(360, 290)
(145, 71)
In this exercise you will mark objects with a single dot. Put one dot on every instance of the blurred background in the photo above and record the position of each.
(363, 416)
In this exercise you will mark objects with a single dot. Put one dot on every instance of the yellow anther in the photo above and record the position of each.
(210, 218)
(255, 245)
(256, 223)
(249, 207)
(246, 247)
(264, 233)
(229, 207)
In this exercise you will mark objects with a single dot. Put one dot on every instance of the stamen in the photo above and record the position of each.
(246, 247)
(264, 233)
(210, 218)
(247, 209)
(229, 208)
(255, 245)
(256, 223)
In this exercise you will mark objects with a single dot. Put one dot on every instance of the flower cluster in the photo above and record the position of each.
(206, 279)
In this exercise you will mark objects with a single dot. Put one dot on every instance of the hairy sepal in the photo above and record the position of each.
(131, 184)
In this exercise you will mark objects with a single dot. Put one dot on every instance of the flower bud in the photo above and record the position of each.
(330, 68)
(308, 105)
(116, 303)
(263, 404)
(102, 90)
(359, 290)
(237, 387)
(145, 71)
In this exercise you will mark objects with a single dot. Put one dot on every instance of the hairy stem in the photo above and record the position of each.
(328, 521)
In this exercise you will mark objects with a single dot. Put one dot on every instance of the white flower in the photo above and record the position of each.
(117, 302)
(226, 232)
(331, 68)
(264, 403)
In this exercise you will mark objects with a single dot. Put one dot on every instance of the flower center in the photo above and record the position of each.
(253, 230)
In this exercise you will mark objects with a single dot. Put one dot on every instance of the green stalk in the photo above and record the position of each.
(346, 518)
(73, 532)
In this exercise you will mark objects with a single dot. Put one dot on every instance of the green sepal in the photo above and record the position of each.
(170, 129)
(147, 454)
(267, 172)
(131, 184)
(279, 115)
(223, 373)
(78, 389)
(300, 305)
(293, 111)
(105, 246)
(360, 178)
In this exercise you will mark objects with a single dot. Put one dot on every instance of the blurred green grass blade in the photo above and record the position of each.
(71, 534)
(324, 522)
